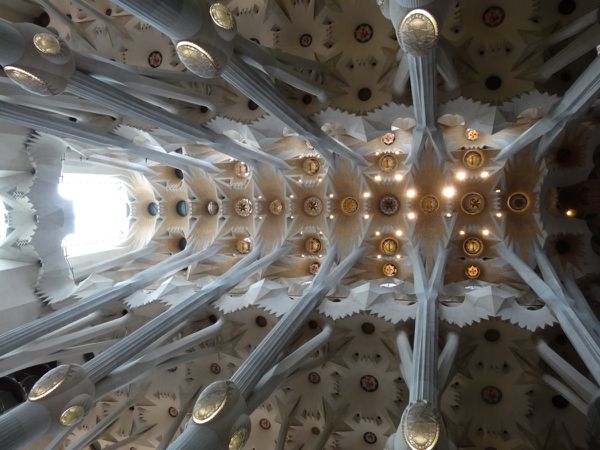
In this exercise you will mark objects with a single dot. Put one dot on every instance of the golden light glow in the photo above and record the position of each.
(449, 191)
(484, 174)
(398, 177)
(570, 213)
(485, 232)
(411, 193)
(411, 216)
(378, 178)
(461, 176)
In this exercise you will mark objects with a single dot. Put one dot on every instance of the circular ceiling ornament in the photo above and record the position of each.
(313, 206)
(155, 59)
(28, 81)
(388, 138)
(473, 272)
(313, 267)
(241, 170)
(430, 204)
(389, 205)
(305, 40)
(421, 426)
(221, 16)
(473, 246)
(518, 202)
(197, 59)
(418, 32)
(389, 246)
(388, 162)
(244, 246)
(472, 203)
(173, 412)
(389, 270)
(49, 382)
(311, 166)
(473, 158)
(212, 208)
(349, 206)
(152, 209)
(47, 44)
(276, 207)
(491, 395)
(493, 16)
(265, 424)
(369, 383)
(215, 369)
(182, 208)
(72, 415)
(472, 134)
(313, 245)
(212, 401)
(314, 378)
(363, 33)
(243, 207)
(369, 437)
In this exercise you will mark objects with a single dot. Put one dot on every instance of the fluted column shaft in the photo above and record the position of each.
(22, 424)
(118, 261)
(269, 350)
(27, 332)
(48, 123)
(581, 339)
(132, 344)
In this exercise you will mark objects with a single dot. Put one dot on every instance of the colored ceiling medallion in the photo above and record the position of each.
(306, 40)
(473, 246)
(473, 158)
(363, 33)
(473, 272)
(244, 246)
(265, 424)
(418, 32)
(421, 425)
(388, 162)
(370, 437)
(491, 395)
(243, 207)
(313, 206)
(472, 203)
(349, 206)
(389, 270)
(429, 204)
(518, 202)
(493, 16)
(369, 383)
(472, 134)
(313, 245)
(212, 208)
(388, 138)
(276, 207)
(389, 246)
(314, 378)
(155, 59)
(311, 166)
(221, 16)
(173, 411)
(389, 205)
(241, 170)
(215, 368)
(47, 44)
(314, 267)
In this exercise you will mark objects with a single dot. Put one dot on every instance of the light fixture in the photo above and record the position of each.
(411, 215)
(484, 174)
(378, 233)
(449, 191)
(411, 193)
(398, 177)
(461, 176)
(378, 178)
(485, 232)
(398, 232)
(366, 216)
(366, 194)
(570, 212)
(461, 232)
(498, 214)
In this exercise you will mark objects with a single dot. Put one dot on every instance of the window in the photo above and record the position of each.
(101, 212)
(3, 221)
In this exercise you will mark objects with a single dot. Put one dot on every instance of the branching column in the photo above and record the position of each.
(229, 425)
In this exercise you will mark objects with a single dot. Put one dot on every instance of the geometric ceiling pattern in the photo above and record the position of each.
(352, 225)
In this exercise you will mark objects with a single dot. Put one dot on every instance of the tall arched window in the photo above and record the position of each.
(101, 212)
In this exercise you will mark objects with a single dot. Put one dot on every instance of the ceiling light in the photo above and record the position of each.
(484, 174)
(411, 193)
(378, 178)
(411, 215)
(570, 212)
(398, 177)
(449, 191)
(461, 176)
(485, 232)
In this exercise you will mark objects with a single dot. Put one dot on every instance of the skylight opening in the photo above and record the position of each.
(101, 213)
